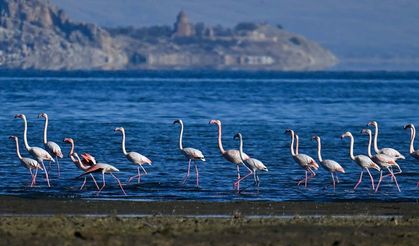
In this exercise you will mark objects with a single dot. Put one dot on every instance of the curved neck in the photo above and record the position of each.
(296, 144)
(292, 144)
(123, 143)
(351, 148)
(17, 149)
(220, 143)
(412, 139)
(45, 130)
(319, 149)
(241, 148)
(369, 144)
(70, 154)
(25, 131)
(181, 136)
(376, 139)
(80, 164)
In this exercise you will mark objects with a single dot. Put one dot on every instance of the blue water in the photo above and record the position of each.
(88, 106)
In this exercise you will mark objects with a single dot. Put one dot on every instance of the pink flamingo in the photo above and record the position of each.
(52, 148)
(362, 160)
(81, 164)
(231, 155)
(313, 165)
(305, 161)
(387, 151)
(190, 154)
(88, 159)
(133, 157)
(414, 153)
(37, 153)
(252, 164)
(384, 161)
(330, 165)
(27, 162)
(103, 168)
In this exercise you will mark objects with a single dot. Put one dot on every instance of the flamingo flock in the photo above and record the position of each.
(383, 161)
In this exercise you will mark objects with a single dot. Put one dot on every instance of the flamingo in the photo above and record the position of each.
(52, 148)
(27, 162)
(133, 157)
(312, 164)
(305, 161)
(87, 160)
(103, 168)
(414, 153)
(387, 151)
(37, 153)
(330, 165)
(362, 160)
(83, 165)
(252, 164)
(384, 161)
(190, 154)
(231, 155)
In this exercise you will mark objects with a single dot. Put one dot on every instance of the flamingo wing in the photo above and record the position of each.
(392, 153)
(54, 149)
(233, 156)
(39, 153)
(93, 169)
(88, 159)
(192, 153)
(138, 158)
(255, 164)
(31, 163)
(332, 166)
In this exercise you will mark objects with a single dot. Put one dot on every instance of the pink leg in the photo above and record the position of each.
(372, 180)
(145, 172)
(395, 179)
(237, 183)
(119, 182)
(187, 174)
(30, 170)
(46, 173)
(337, 179)
(34, 176)
(94, 180)
(84, 182)
(303, 180)
(58, 166)
(333, 179)
(379, 181)
(197, 174)
(139, 175)
(103, 184)
(360, 180)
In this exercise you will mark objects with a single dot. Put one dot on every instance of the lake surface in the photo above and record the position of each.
(88, 106)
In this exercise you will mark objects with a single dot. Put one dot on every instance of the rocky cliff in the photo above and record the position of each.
(36, 35)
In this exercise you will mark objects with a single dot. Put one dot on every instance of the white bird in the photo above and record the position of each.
(387, 151)
(252, 164)
(362, 160)
(190, 154)
(102, 168)
(384, 161)
(52, 148)
(133, 157)
(27, 162)
(37, 153)
(231, 155)
(304, 161)
(414, 153)
(330, 165)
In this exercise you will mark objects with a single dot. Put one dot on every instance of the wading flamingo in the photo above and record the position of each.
(313, 165)
(190, 154)
(305, 161)
(384, 161)
(387, 151)
(231, 155)
(414, 153)
(81, 164)
(133, 157)
(362, 160)
(102, 168)
(37, 153)
(330, 165)
(87, 159)
(252, 164)
(27, 162)
(52, 148)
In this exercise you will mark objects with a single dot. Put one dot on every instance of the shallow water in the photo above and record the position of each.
(88, 106)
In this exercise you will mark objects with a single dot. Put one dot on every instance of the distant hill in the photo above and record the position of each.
(37, 35)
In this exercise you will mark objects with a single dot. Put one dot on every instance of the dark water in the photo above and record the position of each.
(88, 106)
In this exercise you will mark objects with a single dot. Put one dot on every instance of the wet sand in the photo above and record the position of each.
(52, 221)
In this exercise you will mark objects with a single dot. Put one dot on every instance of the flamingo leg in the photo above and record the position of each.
(30, 170)
(187, 174)
(103, 183)
(303, 180)
(333, 180)
(46, 172)
(119, 182)
(242, 178)
(84, 182)
(379, 180)
(145, 172)
(34, 176)
(237, 183)
(360, 180)
(58, 166)
(197, 174)
(395, 179)
(372, 179)
(94, 180)
(139, 175)
(337, 179)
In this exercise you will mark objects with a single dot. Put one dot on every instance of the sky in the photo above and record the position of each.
(364, 34)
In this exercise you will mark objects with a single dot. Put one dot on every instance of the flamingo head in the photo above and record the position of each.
(179, 121)
(237, 136)
(68, 140)
(408, 126)
(20, 116)
(43, 115)
(13, 137)
(315, 137)
(373, 123)
(346, 134)
(215, 122)
(119, 129)
(366, 132)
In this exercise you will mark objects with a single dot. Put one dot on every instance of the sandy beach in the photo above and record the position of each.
(51, 221)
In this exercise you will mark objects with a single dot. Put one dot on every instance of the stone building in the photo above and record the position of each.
(182, 26)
